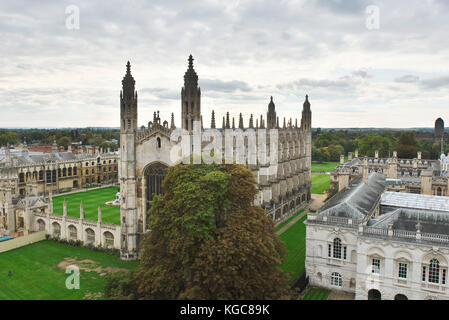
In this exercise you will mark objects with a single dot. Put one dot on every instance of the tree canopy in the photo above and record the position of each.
(207, 241)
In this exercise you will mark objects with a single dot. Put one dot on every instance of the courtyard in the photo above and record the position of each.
(37, 271)
(91, 200)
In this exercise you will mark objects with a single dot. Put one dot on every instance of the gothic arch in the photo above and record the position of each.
(153, 175)
(56, 227)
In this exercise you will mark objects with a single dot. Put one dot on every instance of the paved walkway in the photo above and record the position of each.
(292, 222)
(340, 295)
(317, 202)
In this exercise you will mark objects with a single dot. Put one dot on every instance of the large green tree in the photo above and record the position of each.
(369, 143)
(207, 241)
(407, 145)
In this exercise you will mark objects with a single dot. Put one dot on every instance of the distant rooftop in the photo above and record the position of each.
(415, 201)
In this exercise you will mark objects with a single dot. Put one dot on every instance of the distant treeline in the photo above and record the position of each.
(100, 137)
(330, 144)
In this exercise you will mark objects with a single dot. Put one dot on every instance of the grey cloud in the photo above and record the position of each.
(435, 83)
(407, 79)
(224, 86)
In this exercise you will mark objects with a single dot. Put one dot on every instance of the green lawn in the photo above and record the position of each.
(320, 183)
(316, 294)
(36, 275)
(295, 241)
(91, 200)
(324, 166)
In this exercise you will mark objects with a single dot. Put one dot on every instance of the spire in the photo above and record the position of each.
(241, 122)
(251, 124)
(223, 126)
(227, 120)
(81, 210)
(257, 123)
(99, 215)
(271, 106)
(202, 128)
(307, 103)
(233, 124)
(296, 123)
(128, 83)
(277, 122)
(261, 122)
(172, 125)
(190, 77)
(212, 120)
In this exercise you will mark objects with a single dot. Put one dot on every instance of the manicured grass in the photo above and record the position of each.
(316, 294)
(288, 220)
(324, 166)
(91, 200)
(320, 183)
(35, 272)
(295, 241)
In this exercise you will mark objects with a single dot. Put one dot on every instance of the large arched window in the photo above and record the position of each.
(336, 279)
(155, 174)
(434, 271)
(337, 248)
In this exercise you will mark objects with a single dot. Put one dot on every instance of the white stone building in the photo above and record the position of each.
(380, 245)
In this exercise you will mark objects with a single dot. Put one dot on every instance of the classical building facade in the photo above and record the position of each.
(59, 171)
(146, 152)
(379, 244)
(403, 175)
(28, 181)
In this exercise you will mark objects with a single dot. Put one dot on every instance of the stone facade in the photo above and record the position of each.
(379, 244)
(58, 171)
(403, 175)
(147, 151)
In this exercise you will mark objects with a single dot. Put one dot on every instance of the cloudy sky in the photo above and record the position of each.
(54, 74)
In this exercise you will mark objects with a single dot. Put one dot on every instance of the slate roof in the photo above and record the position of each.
(358, 199)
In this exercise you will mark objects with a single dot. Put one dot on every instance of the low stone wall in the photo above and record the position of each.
(100, 234)
(22, 241)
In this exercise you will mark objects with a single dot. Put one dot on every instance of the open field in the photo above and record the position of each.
(91, 200)
(38, 271)
(325, 166)
(316, 294)
(295, 241)
(320, 183)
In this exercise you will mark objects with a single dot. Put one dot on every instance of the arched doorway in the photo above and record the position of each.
(154, 175)
(374, 294)
(400, 297)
